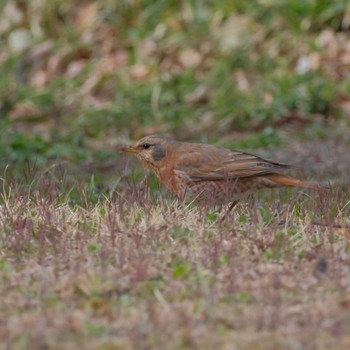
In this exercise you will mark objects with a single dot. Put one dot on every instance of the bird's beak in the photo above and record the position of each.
(129, 149)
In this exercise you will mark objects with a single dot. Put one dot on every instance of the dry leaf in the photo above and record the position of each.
(87, 14)
(242, 80)
(75, 68)
(232, 33)
(190, 58)
(39, 78)
(139, 71)
(39, 51)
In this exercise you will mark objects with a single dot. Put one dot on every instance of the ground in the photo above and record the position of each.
(140, 270)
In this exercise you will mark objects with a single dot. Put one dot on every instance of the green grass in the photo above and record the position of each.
(78, 78)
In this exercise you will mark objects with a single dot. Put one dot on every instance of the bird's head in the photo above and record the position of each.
(150, 150)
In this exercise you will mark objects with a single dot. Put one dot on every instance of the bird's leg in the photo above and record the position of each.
(232, 205)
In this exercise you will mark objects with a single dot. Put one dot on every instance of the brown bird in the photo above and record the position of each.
(208, 173)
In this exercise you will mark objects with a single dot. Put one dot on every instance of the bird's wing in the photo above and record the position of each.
(208, 162)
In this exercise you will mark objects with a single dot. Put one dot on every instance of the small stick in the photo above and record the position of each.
(232, 205)
(340, 230)
(320, 223)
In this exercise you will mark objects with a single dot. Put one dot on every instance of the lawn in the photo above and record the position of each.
(94, 253)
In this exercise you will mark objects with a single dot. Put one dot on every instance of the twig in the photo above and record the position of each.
(340, 230)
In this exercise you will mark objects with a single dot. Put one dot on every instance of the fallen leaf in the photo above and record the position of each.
(190, 58)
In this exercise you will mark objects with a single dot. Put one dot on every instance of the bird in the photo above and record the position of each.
(206, 173)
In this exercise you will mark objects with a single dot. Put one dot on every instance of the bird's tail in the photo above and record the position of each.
(284, 180)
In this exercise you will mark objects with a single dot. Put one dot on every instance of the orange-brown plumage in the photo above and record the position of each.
(203, 172)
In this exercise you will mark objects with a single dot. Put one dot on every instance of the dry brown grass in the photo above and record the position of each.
(138, 271)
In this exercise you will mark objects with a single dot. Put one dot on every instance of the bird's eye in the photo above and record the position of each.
(146, 146)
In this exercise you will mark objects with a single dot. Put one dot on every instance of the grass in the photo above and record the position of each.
(82, 78)
(93, 253)
(135, 270)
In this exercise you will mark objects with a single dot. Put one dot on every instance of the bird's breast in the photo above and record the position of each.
(167, 177)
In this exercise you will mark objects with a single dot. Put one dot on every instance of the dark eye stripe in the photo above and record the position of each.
(146, 146)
